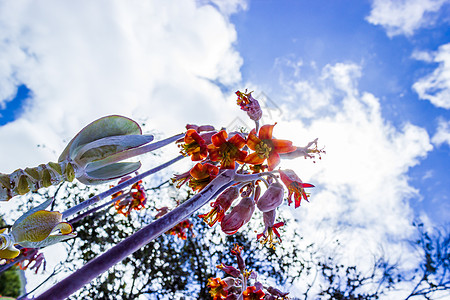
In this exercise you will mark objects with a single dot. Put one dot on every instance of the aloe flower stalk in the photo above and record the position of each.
(100, 264)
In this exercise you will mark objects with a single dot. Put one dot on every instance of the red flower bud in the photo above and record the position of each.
(239, 215)
(272, 198)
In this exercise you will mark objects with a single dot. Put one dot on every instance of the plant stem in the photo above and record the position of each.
(117, 188)
(102, 263)
(94, 209)
(133, 152)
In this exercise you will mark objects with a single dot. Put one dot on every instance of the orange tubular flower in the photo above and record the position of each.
(227, 151)
(194, 145)
(266, 147)
(134, 201)
(220, 206)
(295, 186)
(202, 174)
(269, 230)
(252, 294)
(218, 287)
(181, 229)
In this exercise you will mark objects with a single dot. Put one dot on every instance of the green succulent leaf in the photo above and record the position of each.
(42, 206)
(50, 240)
(107, 146)
(104, 127)
(109, 172)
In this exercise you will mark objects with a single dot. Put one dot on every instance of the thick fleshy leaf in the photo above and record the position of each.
(107, 126)
(10, 252)
(37, 226)
(42, 206)
(107, 146)
(109, 172)
(53, 239)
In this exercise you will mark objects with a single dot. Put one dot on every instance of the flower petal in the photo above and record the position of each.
(283, 146)
(253, 140)
(238, 141)
(273, 161)
(254, 159)
(219, 138)
(265, 133)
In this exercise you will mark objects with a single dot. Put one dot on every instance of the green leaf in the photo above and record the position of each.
(42, 206)
(109, 172)
(50, 240)
(107, 146)
(103, 127)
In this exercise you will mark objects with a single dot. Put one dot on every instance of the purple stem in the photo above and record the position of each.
(93, 210)
(115, 189)
(102, 263)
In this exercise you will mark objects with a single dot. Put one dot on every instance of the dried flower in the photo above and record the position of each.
(250, 105)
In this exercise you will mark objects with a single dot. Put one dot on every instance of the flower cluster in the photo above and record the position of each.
(242, 283)
(250, 155)
(135, 199)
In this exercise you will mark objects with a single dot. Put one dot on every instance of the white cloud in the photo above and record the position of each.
(442, 134)
(362, 190)
(162, 63)
(403, 16)
(227, 7)
(435, 87)
(154, 62)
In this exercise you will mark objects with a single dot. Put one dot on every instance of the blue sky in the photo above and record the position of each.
(370, 79)
(326, 32)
